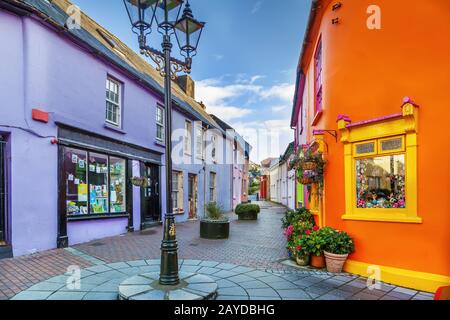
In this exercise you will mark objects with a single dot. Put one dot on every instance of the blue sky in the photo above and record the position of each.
(245, 69)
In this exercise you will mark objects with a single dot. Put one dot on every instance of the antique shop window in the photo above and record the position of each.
(160, 128)
(113, 102)
(212, 187)
(380, 158)
(177, 192)
(95, 183)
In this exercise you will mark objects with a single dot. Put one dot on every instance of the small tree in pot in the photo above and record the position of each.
(214, 225)
(339, 246)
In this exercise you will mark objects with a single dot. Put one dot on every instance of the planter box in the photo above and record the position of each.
(248, 216)
(214, 229)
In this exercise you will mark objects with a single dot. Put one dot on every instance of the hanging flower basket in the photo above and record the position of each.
(305, 180)
(139, 182)
(309, 165)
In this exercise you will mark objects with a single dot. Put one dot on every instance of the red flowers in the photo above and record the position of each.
(308, 232)
(299, 247)
(316, 228)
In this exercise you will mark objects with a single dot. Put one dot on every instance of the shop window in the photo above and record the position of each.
(177, 191)
(212, 187)
(113, 102)
(160, 127)
(381, 171)
(95, 183)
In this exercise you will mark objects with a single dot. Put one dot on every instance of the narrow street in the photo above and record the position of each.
(246, 266)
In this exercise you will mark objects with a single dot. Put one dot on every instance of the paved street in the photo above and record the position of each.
(246, 266)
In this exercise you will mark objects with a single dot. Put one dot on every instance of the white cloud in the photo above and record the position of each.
(284, 91)
(279, 108)
(218, 57)
(227, 113)
(268, 138)
(256, 7)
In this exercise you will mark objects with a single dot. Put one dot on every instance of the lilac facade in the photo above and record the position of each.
(43, 69)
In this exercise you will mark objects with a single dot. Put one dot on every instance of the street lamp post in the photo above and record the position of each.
(165, 14)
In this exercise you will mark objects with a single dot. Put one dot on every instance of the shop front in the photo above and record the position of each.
(95, 193)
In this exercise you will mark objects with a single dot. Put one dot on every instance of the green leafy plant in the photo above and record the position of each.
(339, 242)
(244, 208)
(313, 242)
(214, 212)
(291, 217)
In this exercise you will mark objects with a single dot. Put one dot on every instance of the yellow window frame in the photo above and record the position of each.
(399, 150)
(405, 126)
(375, 148)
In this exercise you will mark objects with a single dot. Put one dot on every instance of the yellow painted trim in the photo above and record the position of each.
(401, 149)
(382, 218)
(375, 147)
(422, 281)
(405, 127)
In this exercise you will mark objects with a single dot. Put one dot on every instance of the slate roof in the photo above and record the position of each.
(95, 38)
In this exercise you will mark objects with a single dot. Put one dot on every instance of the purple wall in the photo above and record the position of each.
(42, 70)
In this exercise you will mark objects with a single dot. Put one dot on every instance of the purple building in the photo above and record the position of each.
(68, 151)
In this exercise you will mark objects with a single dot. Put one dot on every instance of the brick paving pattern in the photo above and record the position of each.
(247, 266)
(258, 244)
(20, 273)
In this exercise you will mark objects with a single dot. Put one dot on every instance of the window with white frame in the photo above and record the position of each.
(188, 137)
(160, 123)
(212, 187)
(199, 142)
(214, 147)
(177, 191)
(113, 102)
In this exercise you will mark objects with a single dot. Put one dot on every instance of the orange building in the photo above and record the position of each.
(387, 177)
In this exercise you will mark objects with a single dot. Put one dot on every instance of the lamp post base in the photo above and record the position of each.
(147, 287)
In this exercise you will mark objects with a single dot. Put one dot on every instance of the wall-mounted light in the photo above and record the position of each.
(336, 6)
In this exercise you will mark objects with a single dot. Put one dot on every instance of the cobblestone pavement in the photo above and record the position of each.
(247, 266)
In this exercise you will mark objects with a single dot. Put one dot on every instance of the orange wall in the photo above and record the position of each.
(366, 74)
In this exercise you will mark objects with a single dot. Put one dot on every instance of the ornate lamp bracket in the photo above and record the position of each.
(176, 65)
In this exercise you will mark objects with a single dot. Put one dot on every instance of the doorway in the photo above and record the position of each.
(2, 193)
(150, 196)
(193, 196)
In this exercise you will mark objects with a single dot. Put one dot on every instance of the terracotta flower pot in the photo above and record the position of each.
(302, 260)
(318, 261)
(335, 262)
(305, 180)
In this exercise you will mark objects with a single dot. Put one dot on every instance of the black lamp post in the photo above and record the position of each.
(165, 14)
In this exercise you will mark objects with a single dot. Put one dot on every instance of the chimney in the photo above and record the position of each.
(187, 84)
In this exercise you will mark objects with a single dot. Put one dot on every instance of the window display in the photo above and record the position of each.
(117, 185)
(98, 183)
(380, 182)
(76, 181)
(95, 183)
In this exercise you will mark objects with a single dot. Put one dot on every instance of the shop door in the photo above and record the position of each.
(150, 200)
(193, 196)
(2, 193)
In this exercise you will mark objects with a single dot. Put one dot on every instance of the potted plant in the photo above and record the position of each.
(214, 225)
(313, 243)
(247, 211)
(339, 246)
(294, 224)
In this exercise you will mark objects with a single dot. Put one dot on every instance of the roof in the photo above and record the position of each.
(104, 44)
(287, 153)
(225, 126)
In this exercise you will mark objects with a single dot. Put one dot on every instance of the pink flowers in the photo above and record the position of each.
(315, 228)
(289, 231)
(308, 232)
